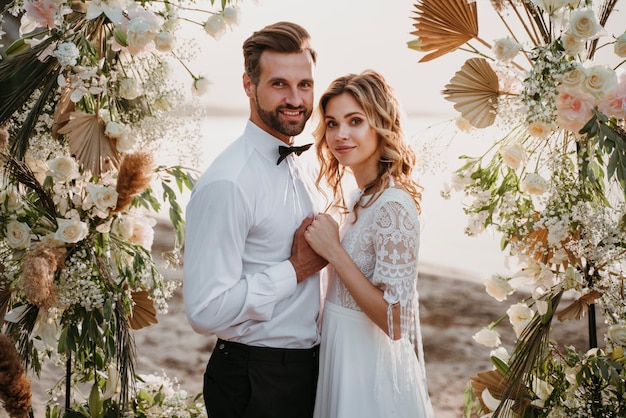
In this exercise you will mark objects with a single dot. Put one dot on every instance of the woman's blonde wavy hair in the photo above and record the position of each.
(383, 113)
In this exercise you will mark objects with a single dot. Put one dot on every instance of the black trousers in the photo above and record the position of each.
(243, 381)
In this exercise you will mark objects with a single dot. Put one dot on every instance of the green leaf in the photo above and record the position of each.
(17, 47)
(95, 403)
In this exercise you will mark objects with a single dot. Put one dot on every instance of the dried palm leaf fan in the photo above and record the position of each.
(88, 144)
(474, 90)
(144, 312)
(443, 26)
(495, 382)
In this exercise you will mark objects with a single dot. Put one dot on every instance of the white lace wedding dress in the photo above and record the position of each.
(363, 372)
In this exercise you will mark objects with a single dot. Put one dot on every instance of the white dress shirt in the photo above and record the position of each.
(240, 221)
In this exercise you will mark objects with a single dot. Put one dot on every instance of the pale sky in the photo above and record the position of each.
(349, 36)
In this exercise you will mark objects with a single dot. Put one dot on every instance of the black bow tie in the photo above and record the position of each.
(285, 151)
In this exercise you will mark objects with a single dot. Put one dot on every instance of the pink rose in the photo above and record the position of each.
(614, 103)
(574, 108)
(42, 12)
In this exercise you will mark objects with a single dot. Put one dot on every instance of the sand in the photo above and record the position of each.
(452, 309)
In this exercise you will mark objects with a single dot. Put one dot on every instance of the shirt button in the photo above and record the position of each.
(221, 347)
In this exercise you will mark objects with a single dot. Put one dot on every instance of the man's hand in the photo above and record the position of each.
(305, 261)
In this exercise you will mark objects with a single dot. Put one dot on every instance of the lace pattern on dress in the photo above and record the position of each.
(384, 244)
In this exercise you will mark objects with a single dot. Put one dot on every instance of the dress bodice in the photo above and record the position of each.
(384, 244)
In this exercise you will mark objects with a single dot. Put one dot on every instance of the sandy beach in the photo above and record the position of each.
(452, 310)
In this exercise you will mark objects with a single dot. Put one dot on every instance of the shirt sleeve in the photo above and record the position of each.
(396, 232)
(216, 292)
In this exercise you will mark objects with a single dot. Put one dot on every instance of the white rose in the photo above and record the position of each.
(63, 169)
(200, 86)
(11, 198)
(600, 80)
(130, 89)
(143, 232)
(137, 230)
(571, 44)
(540, 129)
(215, 26)
(125, 143)
(103, 197)
(500, 353)
(513, 155)
(533, 183)
(164, 42)
(141, 31)
(617, 334)
(519, 316)
(583, 24)
(232, 15)
(18, 235)
(114, 130)
(505, 49)
(620, 46)
(498, 287)
(70, 231)
(488, 337)
(550, 6)
(67, 53)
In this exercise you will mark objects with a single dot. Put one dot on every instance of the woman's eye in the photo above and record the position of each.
(331, 124)
(356, 121)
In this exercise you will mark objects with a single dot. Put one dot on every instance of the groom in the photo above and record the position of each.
(247, 279)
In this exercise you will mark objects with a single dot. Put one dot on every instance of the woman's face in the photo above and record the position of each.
(351, 139)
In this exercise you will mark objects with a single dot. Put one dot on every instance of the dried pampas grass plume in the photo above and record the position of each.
(134, 177)
(4, 138)
(39, 267)
(14, 386)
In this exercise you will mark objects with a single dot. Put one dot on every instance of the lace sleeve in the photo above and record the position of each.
(397, 246)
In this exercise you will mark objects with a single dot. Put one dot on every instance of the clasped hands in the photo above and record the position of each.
(314, 243)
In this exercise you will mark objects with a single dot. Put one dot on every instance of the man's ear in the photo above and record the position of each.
(248, 85)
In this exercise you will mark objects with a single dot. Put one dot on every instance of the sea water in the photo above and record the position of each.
(445, 248)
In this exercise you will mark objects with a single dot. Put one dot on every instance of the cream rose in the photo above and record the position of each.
(498, 288)
(488, 337)
(519, 316)
(505, 49)
(617, 334)
(130, 88)
(18, 235)
(620, 46)
(141, 31)
(70, 231)
(215, 26)
(200, 86)
(137, 229)
(164, 41)
(513, 155)
(103, 197)
(540, 129)
(600, 80)
(63, 169)
(533, 183)
(575, 78)
(583, 24)
(571, 44)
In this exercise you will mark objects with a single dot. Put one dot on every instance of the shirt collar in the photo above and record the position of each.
(265, 143)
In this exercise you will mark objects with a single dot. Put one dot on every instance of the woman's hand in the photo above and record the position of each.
(323, 236)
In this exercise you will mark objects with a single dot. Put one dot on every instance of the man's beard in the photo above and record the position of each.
(273, 120)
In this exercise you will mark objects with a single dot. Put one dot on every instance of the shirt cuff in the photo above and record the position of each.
(284, 279)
